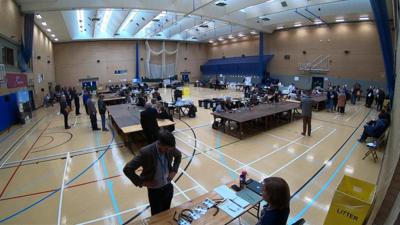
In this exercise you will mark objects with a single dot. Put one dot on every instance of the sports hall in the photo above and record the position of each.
(199, 112)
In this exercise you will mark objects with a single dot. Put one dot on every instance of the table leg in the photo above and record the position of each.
(240, 130)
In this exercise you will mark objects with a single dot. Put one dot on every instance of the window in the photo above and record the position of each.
(8, 56)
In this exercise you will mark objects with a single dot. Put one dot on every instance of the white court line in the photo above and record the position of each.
(355, 113)
(66, 168)
(19, 144)
(86, 150)
(194, 127)
(288, 140)
(220, 152)
(201, 152)
(130, 210)
(76, 119)
(191, 178)
(287, 164)
(337, 116)
(276, 150)
(180, 192)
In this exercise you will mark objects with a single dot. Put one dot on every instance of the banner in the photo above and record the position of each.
(15, 80)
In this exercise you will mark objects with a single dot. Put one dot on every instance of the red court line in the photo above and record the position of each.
(51, 190)
(15, 171)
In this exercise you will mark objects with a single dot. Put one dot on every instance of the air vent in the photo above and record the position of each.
(195, 38)
(220, 3)
(265, 19)
(203, 26)
(284, 4)
(158, 35)
(116, 34)
(156, 20)
(94, 19)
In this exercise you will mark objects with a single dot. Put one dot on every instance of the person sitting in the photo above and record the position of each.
(276, 192)
(141, 100)
(164, 115)
(375, 128)
(220, 107)
(228, 104)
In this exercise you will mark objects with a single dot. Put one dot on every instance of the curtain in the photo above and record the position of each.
(25, 54)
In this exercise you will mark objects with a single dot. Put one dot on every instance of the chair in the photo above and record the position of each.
(299, 222)
(374, 145)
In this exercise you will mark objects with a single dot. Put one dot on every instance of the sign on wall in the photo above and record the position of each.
(121, 72)
(15, 80)
(40, 77)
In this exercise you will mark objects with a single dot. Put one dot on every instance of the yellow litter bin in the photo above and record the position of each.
(186, 92)
(351, 203)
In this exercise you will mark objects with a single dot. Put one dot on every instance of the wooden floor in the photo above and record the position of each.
(40, 184)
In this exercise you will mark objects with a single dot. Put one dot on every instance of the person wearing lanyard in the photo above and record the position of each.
(160, 162)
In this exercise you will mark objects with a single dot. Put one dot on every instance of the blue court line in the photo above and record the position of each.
(222, 160)
(325, 186)
(58, 189)
(109, 183)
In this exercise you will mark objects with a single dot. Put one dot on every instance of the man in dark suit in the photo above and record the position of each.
(160, 162)
(148, 120)
(64, 109)
(306, 106)
(102, 111)
(75, 96)
(92, 113)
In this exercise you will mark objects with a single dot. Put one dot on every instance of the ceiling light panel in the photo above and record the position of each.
(128, 20)
(105, 20)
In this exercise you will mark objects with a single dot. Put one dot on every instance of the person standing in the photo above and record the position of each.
(160, 163)
(64, 109)
(85, 98)
(341, 101)
(148, 120)
(330, 98)
(370, 97)
(335, 98)
(75, 95)
(67, 93)
(92, 113)
(306, 106)
(380, 98)
(102, 111)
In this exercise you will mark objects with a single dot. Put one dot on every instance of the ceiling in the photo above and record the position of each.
(185, 20)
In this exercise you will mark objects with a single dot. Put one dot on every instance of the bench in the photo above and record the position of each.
(374, 144)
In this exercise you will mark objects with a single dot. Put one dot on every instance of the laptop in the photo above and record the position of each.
(255, 186)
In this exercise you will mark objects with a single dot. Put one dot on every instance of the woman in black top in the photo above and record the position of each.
(276, 192)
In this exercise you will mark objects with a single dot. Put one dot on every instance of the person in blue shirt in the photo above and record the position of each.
(376, 128)
(277, 194)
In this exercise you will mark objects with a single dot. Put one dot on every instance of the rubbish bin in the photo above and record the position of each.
(351, 203)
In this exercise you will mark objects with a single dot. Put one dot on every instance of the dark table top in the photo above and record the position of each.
(259, 111)
(125, 114)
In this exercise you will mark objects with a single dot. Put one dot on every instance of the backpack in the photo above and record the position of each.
(192, 111)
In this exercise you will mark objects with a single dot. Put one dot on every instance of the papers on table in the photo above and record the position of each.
(234, 203)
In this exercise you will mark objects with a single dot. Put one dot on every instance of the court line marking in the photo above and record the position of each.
(128, 210)
(355, 113)
(194, 127)
(27, 153)
(276, 150)
(309, 149)
(52, 193)
(325, 186)
(288, 140)
(194, 180)
(24, 136)
(62, 155)
(180, 190)
(76, 119)
(66, 168)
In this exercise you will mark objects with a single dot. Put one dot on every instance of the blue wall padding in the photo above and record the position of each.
(248, 65)
(8, 110)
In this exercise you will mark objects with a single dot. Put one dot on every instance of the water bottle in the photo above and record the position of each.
(242, 180)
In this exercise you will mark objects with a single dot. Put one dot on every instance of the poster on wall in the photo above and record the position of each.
(15, 80)
(3, 81)
(121, 72)
(40, 77)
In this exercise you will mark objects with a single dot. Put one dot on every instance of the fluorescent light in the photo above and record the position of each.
(364, 18)
(56, 39)
(44, 23)
(279, 27)
(317, 22)
(211, 41)
(53, 35)
(243, 10)
(38, 16)
(231, 36)
(106, 19)
(48, 30)
(241, 35)
(128, 20)
(253, 32)
(221, 39)
(338, 20)
(79, 14)
(297, 25)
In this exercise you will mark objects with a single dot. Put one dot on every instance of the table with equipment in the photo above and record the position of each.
(126, 118)
(220, 206)
(266, 112)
